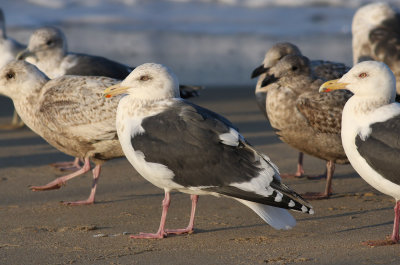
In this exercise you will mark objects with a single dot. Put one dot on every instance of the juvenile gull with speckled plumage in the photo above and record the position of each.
(302, 117)
(376, 36)
(325, 70)
(69, 112)
(177, 145)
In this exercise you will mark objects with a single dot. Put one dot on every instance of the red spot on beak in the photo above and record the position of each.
(108, 96)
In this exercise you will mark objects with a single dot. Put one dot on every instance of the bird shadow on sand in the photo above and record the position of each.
(33, 160)
(132, 197)
(213, 230)
(364, 227)
(343, 214)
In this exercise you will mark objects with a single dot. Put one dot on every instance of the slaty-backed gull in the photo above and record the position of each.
(69, 112)
(371, 130)
(177, 145)
(326, 70)
(9, 48)
(302, 117)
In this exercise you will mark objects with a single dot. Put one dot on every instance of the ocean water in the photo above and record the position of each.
(205, 42)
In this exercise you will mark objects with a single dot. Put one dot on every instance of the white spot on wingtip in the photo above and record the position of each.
(311, 211)
(304, 209)
(278, 197)
(291, 203)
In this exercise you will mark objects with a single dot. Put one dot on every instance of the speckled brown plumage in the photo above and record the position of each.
(69, 112)
(303, 118)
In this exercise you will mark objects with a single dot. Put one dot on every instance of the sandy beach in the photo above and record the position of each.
(36, 229)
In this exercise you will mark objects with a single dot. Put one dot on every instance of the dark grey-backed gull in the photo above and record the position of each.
(69, 112)
(371, 130)
(302, 117)
(326, 70)
(177, 145)
(376, 36)
(9, 48)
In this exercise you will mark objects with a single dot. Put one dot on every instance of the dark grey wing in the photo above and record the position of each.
(89, 65)
(328, 70)
(323, 111)
(381, 149)
(187, 139)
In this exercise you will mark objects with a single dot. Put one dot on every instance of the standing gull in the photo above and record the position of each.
(322, 69)
(69, 112)
(376, 36)
(9, 49)
(302, 117)
(371, 130)
(177, 145)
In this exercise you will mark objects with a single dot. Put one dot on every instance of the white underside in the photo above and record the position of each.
(352, 125)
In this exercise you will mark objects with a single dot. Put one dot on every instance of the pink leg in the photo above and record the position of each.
(189, 228)
(63, 166)
(161, 231)
(300, 170)
(330, 169)
(394, 239)
(90, 199)
(57, 183)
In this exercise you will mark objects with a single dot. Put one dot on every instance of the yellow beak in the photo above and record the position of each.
(114, 90)
(332, 85)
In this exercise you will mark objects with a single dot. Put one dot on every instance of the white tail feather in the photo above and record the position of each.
(278, 218)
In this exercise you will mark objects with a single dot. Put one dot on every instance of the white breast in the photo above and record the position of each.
(351, 126)
(129, 120)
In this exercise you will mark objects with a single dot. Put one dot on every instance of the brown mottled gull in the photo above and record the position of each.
(376, 36)
(9, 48)
(69, 112)
(302, 117)
(326, 70)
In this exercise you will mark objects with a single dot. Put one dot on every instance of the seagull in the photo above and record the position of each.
(370, 130)
(303, 118)
(47, 49)
(177, 145)
(69, 112)
(376, 36)
(323, 69)
(9, 48)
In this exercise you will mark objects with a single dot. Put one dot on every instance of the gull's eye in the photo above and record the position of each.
(144, 78)
(10, 75)
(363, 75)
(49, 42)
(294, 68)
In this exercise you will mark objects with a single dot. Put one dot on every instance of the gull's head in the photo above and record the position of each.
(368, 79)
(19, 77)
(148, 81)
(44, 42)
(273, 55)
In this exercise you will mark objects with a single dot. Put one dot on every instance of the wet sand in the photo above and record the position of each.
(36, 229)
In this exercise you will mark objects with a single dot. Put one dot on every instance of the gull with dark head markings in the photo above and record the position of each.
(302, 117)
(371, 130)
(322, 69)
(69, 112)
(177, 145)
